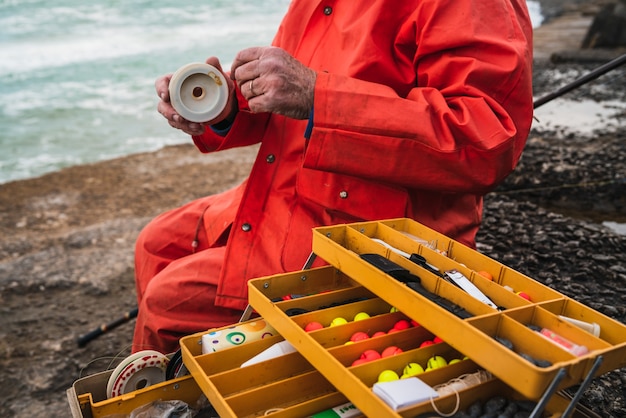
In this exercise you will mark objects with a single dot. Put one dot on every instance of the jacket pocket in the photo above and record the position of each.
(325, 198)
(351, 198)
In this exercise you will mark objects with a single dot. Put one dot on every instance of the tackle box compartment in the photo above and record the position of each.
(87, 396)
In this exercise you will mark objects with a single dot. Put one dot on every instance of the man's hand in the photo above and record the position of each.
(274, 81)
(176, 121)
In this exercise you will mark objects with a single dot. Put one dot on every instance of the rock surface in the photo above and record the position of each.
(67, 240)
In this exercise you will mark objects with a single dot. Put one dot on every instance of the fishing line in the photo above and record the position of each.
(112, 358)
(119, 354)
(82, 369)
(562, 186)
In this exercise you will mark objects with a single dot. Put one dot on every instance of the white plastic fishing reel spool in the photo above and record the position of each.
(137, 371)
(198, 92)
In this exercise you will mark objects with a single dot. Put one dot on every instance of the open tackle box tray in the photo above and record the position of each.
(319, 375)
(529, 362)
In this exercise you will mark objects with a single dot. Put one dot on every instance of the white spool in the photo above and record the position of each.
(139, 370)
(198, 92)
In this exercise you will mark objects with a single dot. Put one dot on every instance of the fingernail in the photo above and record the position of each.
(163, 96)
(176, 118)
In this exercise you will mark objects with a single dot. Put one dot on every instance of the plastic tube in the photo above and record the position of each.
(590, 327)
(575, 349)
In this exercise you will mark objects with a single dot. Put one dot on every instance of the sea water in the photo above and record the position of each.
(77, 78)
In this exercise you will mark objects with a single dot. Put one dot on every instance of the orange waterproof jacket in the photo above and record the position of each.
(421, 107)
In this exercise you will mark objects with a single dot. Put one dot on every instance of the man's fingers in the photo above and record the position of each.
(166, 109)
(162, 87)
(190, 128)
(245, 56)
(214, 61)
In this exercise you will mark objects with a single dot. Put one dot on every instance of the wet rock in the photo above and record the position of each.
(608, 29)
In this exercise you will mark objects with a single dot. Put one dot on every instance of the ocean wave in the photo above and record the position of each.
(50, 37)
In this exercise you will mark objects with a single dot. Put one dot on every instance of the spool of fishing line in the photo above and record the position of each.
(198, 92)
(137, 371)
(176, 367)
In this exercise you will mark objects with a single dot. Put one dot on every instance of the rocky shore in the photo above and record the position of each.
(66, 253)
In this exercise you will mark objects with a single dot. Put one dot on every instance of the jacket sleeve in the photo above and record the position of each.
(461, 128)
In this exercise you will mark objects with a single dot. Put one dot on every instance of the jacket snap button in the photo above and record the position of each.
(328, 10)
(343, 194)
(270, 158)
(246, 227)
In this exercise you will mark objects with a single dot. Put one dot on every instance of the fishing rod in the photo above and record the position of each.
(104, 328)
(603, 69)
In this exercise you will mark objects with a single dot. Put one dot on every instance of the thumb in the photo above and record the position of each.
(214, 61)
(231, 105)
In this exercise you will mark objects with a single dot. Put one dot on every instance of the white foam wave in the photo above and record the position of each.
(26, 56)
(100, 95)
(97, 33)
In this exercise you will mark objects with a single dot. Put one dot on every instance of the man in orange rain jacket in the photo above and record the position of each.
(363, 111)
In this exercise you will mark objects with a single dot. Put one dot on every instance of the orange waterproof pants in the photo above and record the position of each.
(177, 283)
